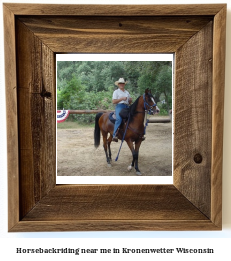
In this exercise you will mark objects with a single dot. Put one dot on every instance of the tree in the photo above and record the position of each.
(164, 85)
(71, 94)
(90, 84)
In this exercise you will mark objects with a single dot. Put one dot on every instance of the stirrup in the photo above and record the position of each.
(115, 139)
(143, 138)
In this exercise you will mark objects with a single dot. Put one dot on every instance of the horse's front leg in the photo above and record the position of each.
(130, 145)
(135, 153)
(136, 156)
(131, 166)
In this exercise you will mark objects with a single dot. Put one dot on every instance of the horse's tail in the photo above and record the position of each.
(97, 130)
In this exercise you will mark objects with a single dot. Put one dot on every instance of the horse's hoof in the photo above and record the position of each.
(138, 173)
(129, 168)
(109, 164)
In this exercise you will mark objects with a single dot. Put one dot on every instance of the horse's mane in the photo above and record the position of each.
(133, 108)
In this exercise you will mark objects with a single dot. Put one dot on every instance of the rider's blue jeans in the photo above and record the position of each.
(118, 121)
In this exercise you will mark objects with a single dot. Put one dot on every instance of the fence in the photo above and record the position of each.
(151, 120)
(87, 111)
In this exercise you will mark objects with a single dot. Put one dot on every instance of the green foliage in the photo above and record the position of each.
(88, 85)
(164, 86)
(72, 94)
(146, 81)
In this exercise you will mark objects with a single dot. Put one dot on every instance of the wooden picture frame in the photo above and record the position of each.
(33, 34)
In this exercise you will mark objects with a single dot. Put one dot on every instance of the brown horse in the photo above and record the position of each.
(134, 131)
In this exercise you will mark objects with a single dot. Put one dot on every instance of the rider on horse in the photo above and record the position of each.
(122, 99)
(133, 130)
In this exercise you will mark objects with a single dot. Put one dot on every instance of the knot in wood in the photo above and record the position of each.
(198, 158)
(45, 94)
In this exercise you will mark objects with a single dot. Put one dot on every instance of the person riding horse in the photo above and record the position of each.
(132, 131)
(122, 99)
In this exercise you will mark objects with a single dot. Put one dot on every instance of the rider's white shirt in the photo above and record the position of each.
(117, 94)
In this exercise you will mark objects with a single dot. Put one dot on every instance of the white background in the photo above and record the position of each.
(219, 240)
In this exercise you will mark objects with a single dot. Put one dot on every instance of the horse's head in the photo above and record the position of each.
(149, 103)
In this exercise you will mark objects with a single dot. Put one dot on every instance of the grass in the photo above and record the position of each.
(73, 125)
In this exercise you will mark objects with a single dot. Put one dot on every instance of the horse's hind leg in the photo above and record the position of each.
(105, 145)
(109, 145)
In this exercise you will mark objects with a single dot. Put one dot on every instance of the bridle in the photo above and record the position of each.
(149, 108)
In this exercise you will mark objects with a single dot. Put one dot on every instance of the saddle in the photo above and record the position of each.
(124, 113)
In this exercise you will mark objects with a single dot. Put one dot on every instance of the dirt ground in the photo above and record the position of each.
(77, 156)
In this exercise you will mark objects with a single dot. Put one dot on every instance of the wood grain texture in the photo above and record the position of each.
(108, 202)
(108, 207)
(218, 114)
(92, 34)
(115, 10)
(37, 128)
(114, 225)
(12, 121)
(193, 128)
(195, 33)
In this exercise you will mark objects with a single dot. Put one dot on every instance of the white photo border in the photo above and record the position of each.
(166, 180)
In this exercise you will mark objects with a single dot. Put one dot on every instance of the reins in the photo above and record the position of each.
(123, 137)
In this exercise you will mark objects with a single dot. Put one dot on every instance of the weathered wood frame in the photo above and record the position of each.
(33, 34)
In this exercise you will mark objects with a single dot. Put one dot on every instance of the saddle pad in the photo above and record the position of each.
(112, 117)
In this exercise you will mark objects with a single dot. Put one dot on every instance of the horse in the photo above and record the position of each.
(134, 131)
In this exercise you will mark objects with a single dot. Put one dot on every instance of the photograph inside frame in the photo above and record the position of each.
(114, 118)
